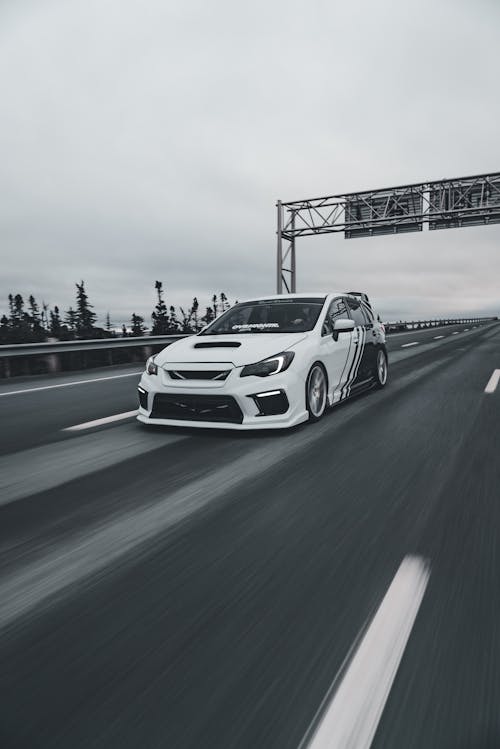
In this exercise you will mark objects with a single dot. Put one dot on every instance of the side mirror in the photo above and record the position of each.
(342, 325)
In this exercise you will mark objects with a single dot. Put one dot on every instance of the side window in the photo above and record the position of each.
(370, 317)
(336, 310)
(356, 311)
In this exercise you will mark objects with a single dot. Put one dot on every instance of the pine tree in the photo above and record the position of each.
(11, 309)
(71, 319)
(55, 322)
(186, 320)
(4, 329)
(85, 318)
(223, 302)
(108, 322)
(173, 322)
(138, 328)
(45, 316)
(215, 305)
(20, 321)
(18, 309)
(160, 313)
(208, 316)
(35, 321)
(194, 312)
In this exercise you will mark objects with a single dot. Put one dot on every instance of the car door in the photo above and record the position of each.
(335, 353)
(371, 339)
(361, 370)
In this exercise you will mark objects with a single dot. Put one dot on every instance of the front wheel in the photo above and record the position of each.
(316, 392)
(382, 369)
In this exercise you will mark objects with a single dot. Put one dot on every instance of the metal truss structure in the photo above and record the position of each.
(443, 204)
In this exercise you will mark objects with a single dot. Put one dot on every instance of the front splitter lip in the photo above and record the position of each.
(257, 423)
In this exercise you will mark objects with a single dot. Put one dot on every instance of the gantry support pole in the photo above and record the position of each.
(279, 258)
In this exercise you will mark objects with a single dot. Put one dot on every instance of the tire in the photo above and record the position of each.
(381, 372)
(316, 392)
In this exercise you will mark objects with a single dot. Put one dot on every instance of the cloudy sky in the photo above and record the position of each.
(150, 139)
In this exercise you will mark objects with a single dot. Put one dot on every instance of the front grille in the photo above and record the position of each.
(198, 374)
(208, 408)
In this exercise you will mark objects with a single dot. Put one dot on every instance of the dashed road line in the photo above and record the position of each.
(352, 717)
(493, 382)
(413, 343)
(455, 332)
(100, 422)
(436, 337)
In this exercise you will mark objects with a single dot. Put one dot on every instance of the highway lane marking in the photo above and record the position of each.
(438, 336)
(68, 384)
(100, 422)
(413, 343)
(465, 330)
(455, 332)
(103, 543)
(354, 712)
(493, 382)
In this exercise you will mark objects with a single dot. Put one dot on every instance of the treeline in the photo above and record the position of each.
(28, 322)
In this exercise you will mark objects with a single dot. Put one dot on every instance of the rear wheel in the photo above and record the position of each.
(382, 369)
(316, 392)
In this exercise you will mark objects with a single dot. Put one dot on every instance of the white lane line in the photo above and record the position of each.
(413, 343)
(455, 332)
(465, 330)
(354, 712)
(438, 336)
(68, 384)
(100, 422)
(493, 382)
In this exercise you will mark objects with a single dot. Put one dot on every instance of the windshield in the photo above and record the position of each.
(268, 316)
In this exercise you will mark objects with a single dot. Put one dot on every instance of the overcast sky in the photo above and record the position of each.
(150, 139)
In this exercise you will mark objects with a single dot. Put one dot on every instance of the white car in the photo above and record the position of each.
(267, 363)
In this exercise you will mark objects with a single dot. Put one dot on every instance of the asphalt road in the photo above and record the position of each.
(181, 588)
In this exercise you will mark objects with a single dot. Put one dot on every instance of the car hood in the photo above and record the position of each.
(246, 349)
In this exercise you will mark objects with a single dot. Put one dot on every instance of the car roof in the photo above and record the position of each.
(304, 295)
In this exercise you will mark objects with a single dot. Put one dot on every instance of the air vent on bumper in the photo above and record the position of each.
(271, 403)
(196, 408)
(218, 344)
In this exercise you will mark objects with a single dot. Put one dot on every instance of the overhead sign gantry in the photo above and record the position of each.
(444, 204)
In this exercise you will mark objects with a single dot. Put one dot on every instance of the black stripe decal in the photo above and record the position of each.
(358, 362)
(345, 387)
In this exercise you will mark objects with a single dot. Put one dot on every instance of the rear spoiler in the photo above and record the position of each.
(361, 294)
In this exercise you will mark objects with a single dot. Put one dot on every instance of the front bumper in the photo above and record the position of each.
(240, 403)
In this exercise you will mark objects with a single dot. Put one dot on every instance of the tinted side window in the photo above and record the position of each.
(368, 314)
(336, 310)
(356, 312)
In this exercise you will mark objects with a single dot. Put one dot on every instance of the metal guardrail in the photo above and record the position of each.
(402, 325)
(55, 356)
(59, 347)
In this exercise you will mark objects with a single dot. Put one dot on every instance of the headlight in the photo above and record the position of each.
(151, 367)
(273, 365)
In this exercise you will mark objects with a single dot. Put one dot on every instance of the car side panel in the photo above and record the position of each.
(335, 353)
